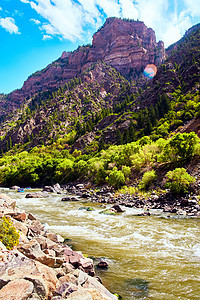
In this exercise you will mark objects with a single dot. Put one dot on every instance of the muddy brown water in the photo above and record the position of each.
(151, 257)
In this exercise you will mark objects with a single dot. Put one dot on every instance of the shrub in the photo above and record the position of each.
(126, 171)
(80, 167)
(64, 170)
(8, 233)
(147, 179)
(116, 178)
(178, 180)
(129, 190)
(181, 146)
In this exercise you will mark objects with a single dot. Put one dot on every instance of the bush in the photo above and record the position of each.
(179, 181)
(64, 170)
(181, 146)
(128, 190)
(116, 178)
(147, 179)
(8, 233)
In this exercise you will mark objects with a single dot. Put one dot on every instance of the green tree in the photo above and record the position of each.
(179, 181)
(147, 179)
(182, 146)
(116, 178)
(132, 132)
(64, 170)
(119, 137)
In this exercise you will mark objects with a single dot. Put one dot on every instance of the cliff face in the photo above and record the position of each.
(127, 46)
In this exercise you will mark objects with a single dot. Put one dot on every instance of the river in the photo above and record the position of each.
(149, 257)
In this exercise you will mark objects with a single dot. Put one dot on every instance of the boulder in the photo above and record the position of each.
(22, 239)
(31, 217)
(40, 290)
(86, 208)
(69, 198)
(22, 227)
(56, 238)
(7, 211)
(18, 289)
(81, 294)
(65, 289)
(36, 227)
(2, 246)
(7, 202)
(37, 195)
(48, 189)
(20, 216)
(109, 211)
(97, 295)
(14, 187)
(46, 243)
(117, 208)
(17, 266)
(102, 264)
(88, 282)
(32, 250)
(57, 188)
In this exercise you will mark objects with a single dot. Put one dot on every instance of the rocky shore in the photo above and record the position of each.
(186, 206)
(42, 266)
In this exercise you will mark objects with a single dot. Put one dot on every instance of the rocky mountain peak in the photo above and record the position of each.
(126, 45)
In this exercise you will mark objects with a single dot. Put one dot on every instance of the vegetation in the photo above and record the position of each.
(179, 181)
(8, 233)
(125, 137)
(116, 165)
(147, 180)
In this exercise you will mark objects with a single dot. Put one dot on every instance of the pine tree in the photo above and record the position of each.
(165, 103)
(78, 127)
(148, 128)
(101, 144)
(119, 137)
(132, 132)
(88, 127)
(152, 115)
(126, 137)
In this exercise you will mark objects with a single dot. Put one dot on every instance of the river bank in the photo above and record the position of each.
(154, 256)
(42, 266)
(183, 206)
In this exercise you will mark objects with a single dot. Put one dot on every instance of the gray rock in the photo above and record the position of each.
(37, 195)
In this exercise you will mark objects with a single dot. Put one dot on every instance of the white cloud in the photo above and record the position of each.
(49, 29)
(63, 16)
(37, 22)
(193, 7)
(72, 20)
(168, 23)
(128, 9)
(24, 1)
(110, 7)
(47, 37)
(17, 13)
(9, 25)
(0, 8)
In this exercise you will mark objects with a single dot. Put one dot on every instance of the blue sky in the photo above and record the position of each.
(34, 33)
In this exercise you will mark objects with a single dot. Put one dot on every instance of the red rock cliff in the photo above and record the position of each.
(127, 46)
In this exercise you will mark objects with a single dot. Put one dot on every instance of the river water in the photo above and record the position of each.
(151, 257)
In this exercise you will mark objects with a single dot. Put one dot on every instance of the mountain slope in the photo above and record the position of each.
(102, 128)
(48, 115)
(100, 107)
(128, 46)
